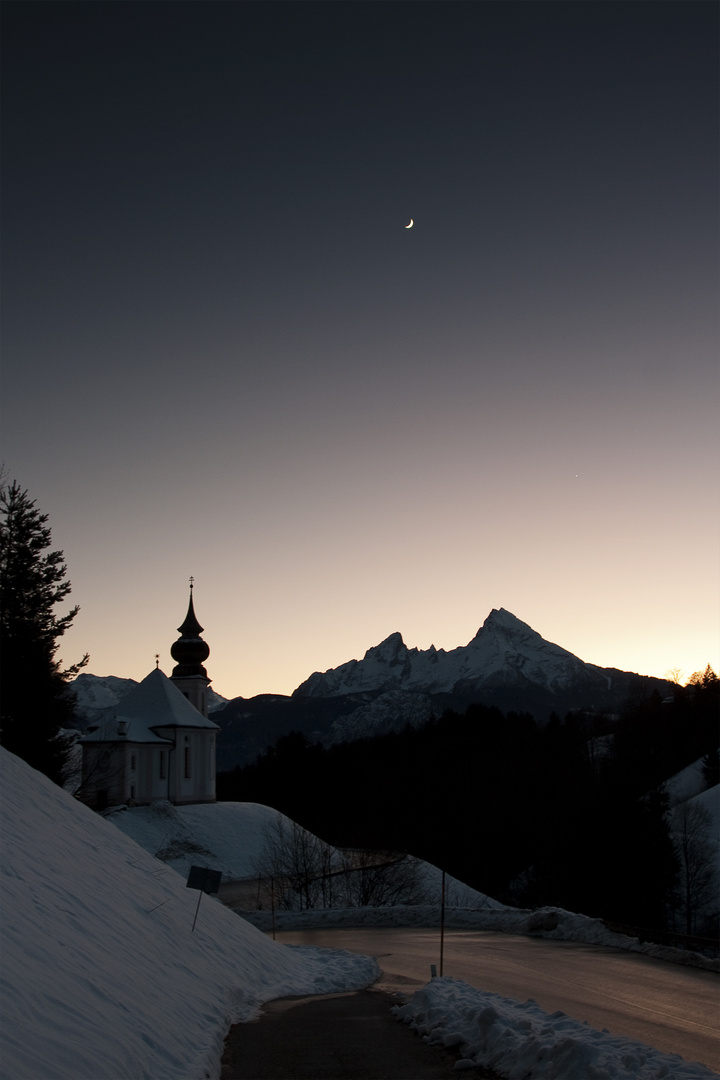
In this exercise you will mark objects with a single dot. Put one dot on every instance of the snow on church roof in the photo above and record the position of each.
(154, 703)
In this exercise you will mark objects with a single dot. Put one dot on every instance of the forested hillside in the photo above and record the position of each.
(571, 813)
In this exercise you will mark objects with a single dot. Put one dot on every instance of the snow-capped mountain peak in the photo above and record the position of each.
(499, 618)
(507, 665)
(392, 651)
(506, 645)
(505, 651)
(503, 626)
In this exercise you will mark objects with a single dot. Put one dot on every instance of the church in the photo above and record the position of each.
(157, 743)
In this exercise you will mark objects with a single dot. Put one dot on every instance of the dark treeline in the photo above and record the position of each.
(570, 813)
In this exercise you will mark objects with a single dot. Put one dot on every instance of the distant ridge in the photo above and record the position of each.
(507, 665)
(504, 652)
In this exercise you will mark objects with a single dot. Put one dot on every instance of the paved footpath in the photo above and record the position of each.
(335, 1037)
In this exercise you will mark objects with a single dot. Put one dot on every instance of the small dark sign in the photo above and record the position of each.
(200, 877)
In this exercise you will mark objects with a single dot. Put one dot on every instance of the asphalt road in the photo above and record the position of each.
(334, 1037)
(668, 1006)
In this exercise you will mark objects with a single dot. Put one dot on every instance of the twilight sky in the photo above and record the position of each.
(224, 354)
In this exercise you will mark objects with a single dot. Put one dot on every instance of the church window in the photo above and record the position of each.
(187, 762)
(163, 766)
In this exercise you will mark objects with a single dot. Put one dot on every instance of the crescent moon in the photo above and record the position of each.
(410, 225)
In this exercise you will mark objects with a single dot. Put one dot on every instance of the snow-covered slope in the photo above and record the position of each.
(688, 787)
(687, 783)
(392, 710)
(224, 836)
(505, 652)
(231, 837)
(710, 802)
(102, 976)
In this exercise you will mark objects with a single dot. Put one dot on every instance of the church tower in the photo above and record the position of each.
(189, 651)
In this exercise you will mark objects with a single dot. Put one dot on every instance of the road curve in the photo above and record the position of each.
(668, 1006)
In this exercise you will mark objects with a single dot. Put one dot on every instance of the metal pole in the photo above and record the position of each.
(272, 903)
(196, 912)
(442, 925)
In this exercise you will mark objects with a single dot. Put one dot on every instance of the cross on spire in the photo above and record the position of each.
(192, 580)
(157, 660)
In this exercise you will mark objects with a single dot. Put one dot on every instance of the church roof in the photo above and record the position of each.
(154, 703)
(114, 727)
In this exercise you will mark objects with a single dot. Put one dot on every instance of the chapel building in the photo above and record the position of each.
(157, 743)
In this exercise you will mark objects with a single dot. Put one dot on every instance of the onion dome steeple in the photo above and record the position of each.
(190, 650)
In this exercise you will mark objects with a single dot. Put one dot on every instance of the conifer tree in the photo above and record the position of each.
(34, 699)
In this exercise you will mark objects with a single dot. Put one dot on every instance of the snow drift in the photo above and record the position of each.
(522, 1042)
(102, 976)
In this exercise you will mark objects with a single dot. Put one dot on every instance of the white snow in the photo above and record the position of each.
(686, 784)
(522, 1042)
(392, 710)
(103, 978)
(710, 802)
(688, 787)
(94, 692)
(224, 836)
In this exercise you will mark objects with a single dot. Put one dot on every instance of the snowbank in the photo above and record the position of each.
(522, 1042)
(102, 976)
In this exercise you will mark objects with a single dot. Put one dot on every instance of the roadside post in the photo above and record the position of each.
(272, 905)
(205, 880)
(442, 924)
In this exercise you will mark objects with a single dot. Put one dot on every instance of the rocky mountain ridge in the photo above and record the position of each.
(504, 652)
